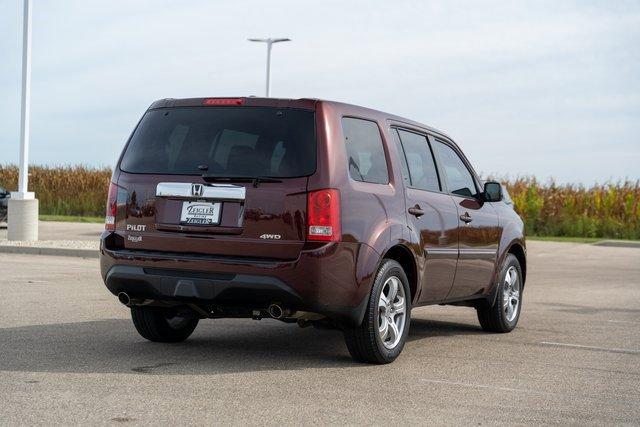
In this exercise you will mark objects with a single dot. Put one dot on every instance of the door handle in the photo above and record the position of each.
(416, 211)
(466, 218)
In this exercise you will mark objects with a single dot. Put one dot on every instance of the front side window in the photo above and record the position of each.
(365, 154)
(422, 168)
(459, 178)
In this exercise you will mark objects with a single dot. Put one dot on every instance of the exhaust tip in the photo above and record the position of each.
(275, 311)
(123, 297)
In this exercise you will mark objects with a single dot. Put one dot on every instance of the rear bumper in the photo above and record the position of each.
(154, 283)
(333, 280)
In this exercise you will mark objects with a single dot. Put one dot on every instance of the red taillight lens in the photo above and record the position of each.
(323, 215)
(223, 101)
(112, 208)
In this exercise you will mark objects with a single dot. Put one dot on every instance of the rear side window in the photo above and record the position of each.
(365, 154)
(229, 141)
(459, 179)
(422, 168)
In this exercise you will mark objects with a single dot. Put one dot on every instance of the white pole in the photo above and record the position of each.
(23, 182)
(269, 43)
(23, 206)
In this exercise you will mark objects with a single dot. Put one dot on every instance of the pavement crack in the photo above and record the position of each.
(149, 368)
(123, 419)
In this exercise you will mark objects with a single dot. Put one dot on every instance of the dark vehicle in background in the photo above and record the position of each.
(307, 211)
(4, 202)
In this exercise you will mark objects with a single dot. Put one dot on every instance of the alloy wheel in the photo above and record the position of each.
(392, 311)
(511, 294)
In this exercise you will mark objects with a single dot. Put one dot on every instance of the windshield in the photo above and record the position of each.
(224, 141)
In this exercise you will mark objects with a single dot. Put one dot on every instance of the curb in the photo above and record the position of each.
(35, 250)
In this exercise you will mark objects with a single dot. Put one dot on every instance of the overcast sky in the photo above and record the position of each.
(550, 89)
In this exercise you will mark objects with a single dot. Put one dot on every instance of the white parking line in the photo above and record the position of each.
(622, 321)
(588, 347)
(484, 386)
(572, 396)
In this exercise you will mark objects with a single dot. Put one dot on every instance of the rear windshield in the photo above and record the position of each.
(228, 141)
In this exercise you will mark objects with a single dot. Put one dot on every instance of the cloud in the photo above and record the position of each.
(525, 88)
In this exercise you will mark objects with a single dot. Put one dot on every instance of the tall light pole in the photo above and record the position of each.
(23, 206)
(269, 43)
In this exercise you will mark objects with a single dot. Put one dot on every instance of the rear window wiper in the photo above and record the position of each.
(255, 180)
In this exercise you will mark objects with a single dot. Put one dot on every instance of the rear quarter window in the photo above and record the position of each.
(365, 154)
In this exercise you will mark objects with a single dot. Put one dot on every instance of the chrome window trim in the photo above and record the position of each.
(209, 191)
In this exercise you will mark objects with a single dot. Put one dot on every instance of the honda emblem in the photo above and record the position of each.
(197, 190)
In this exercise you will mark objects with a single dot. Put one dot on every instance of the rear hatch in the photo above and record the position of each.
(228, 180)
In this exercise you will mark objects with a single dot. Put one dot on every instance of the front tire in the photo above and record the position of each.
(504, 314)
(160, 324)
(382, 335)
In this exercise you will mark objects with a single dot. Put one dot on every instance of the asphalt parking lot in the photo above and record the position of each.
(69, 355)
(55, 230)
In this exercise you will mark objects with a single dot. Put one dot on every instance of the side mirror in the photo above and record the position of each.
(492, 191)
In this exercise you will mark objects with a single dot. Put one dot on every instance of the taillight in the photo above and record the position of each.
(223, 101)
(323, 215)
(112, 208)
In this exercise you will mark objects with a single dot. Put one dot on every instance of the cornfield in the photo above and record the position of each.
(607, 210)
(70, 190)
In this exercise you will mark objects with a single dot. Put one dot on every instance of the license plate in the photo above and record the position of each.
(200, 213)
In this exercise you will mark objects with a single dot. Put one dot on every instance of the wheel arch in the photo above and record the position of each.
(403, 256)
(518, 250)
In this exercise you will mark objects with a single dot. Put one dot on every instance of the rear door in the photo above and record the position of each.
(479, 231)
(431, 213)
(227, 181)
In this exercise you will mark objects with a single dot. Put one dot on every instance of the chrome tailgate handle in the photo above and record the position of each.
(188, 190)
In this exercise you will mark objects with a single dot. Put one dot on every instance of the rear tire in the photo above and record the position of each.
(371, 342)
(504, 314)
(160, 324)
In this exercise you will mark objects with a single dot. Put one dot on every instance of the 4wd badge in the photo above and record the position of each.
(271, 236)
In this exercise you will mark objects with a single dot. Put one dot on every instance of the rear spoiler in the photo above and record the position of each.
(304, 103)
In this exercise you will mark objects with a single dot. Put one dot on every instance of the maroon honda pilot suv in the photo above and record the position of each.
(306, 211)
